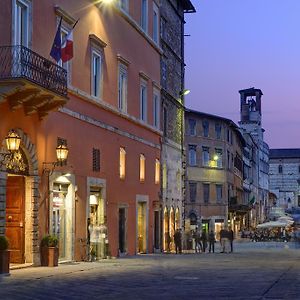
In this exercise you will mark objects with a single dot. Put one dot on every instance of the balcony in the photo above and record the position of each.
(31, 81)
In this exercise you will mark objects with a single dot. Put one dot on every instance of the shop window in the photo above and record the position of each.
(157, 171)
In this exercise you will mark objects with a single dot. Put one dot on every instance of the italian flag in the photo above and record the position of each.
(67, 47)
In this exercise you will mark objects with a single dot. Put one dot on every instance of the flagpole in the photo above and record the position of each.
(75, 24)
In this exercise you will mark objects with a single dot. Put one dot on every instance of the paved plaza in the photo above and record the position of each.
(253, 271)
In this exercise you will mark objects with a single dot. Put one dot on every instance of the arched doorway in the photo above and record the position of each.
(177, 218)
(166, 230)
(172, 229)
(20, 182)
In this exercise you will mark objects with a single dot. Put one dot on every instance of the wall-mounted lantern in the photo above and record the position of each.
(62, 152)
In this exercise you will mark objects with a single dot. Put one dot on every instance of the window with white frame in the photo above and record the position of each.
(143, 101)
(122, 163)
(157, 171)
(21, 30)
(122, 87)
(156, 108)
(155, 23)
(142, 167)
(124, 5)
(96, 76)
(144, 15)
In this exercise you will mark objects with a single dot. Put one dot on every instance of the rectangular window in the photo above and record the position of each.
(142, 167)
(155, 23)
(143, 101)
(123, 5)
(96, 160)
(96, 74)
(206, 192)
(205, 156)
(122, 163)
(218, 157)
(156, 109)
(21, 23)
(219, 192)
(228, 160)
(66, 65)
(122, 87)
(280, 169)
(218, 129)
(192, 155)
(157, 171)
(205, 126)
(192, 127)
(193, 191)
(144, 15)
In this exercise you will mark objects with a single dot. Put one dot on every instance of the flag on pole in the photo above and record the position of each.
(67, 46)
(56, 47)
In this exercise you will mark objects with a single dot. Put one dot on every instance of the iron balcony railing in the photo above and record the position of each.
(21, 62)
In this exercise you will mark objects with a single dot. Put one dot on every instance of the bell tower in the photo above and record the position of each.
(250, 106)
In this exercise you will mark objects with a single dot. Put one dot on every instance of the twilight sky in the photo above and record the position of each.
(238, 44)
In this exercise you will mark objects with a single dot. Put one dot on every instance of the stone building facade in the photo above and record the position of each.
(284, 180)
(214, 195)
(172, 97)
(251, 123)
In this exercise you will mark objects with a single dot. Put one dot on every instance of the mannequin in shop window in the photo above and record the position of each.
(94, 237)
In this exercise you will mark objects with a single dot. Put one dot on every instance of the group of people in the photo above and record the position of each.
(202, 239)
(226, 236)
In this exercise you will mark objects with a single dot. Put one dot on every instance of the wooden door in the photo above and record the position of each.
(15, 211)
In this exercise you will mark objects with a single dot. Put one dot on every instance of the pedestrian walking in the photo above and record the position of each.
(231, 238)
(204, 240)
(197, 237)
(177, 241)
(222, 239)
(211, 240)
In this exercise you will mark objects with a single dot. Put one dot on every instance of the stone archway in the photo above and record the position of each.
(31, 192)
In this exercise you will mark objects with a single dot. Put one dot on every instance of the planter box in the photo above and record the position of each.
(4, 261)
(49, 256)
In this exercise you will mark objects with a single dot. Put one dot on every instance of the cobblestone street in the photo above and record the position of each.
(253, 271)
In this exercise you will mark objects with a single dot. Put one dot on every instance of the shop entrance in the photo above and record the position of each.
(122, 230)
(142, 228)
(15, 212)
(97, 227)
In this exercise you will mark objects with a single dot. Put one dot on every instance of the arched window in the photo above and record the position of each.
(280, 169)
(193, 219)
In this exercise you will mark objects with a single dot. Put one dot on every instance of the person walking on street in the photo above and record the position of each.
(197, 237)
(177, 240)
(211, 240)
(231, 237)
(222, 239)
(204, 240)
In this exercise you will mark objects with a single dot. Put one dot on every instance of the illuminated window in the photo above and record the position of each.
(122, 163)
(122, 87)
(157, 171)
(142, 167)
(218, 158)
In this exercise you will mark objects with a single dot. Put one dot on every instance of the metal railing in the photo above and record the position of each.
(21, 62)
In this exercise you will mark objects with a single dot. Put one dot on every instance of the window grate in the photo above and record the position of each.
(96, 160)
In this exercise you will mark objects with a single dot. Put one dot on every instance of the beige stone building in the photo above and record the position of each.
(214, 179)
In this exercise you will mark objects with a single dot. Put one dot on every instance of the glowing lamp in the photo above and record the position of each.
(62, 153)
(12, 141)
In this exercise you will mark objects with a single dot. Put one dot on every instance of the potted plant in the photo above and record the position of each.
(49, 251)
(4, 255)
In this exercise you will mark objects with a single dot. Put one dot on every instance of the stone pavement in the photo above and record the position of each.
(253, 271)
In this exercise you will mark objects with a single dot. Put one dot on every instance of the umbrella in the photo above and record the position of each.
(274, 224)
